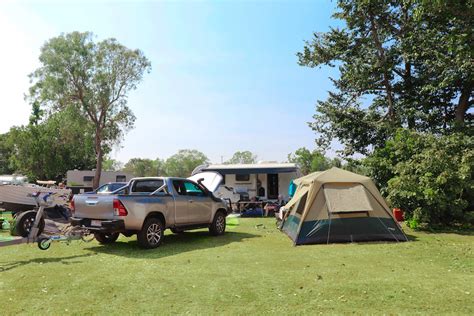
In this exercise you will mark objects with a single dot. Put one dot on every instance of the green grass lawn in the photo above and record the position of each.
(252, 269)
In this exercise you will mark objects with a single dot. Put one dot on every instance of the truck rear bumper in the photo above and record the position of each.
(107, 226)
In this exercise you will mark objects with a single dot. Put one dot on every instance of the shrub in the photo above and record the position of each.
(429, 177)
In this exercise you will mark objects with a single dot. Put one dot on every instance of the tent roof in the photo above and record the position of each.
(336, 175)
(333, 175)
(307, 178)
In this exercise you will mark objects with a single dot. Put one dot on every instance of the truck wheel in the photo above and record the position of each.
(151, 234)
(106, 238)
(218, 224)
(24, 223)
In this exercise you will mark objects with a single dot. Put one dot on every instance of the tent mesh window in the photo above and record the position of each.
(301, 204)
(347, 198)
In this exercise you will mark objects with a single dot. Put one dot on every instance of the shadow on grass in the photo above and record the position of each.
(411, 237)
(5, 266)
(448, 230)
(172, 245)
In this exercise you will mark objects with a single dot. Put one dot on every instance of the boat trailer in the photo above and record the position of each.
(43, 240)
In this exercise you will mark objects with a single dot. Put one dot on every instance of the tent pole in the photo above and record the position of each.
(328, 206)
(329, 228)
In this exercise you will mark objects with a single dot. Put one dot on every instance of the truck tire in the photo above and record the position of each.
(218, 224)
(152, 234)
(24, 223)
(106, 238)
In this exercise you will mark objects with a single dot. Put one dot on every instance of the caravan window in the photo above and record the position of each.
(242, 177)
(120, 178)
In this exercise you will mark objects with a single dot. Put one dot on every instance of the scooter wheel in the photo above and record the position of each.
(44, 243)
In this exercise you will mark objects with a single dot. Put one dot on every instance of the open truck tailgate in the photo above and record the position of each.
(94, 206)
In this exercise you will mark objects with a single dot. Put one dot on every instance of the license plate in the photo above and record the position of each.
(96, 223)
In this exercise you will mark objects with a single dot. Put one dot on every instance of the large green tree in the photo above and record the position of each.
(110, 164)
(5, 154)
(402, 63)
(242, 157)
(430, 177)
(141, 167)
(183, 163)
(46, 149)
(94, 77)
(311, 161)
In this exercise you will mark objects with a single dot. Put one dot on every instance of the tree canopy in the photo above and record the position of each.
(242, 157)
(5, 154)
(93, 77)
(311, 161)
(430, 177)
(141, 167)
(47, 149)
(401, 64)
(180, 164)
(112, 165)
(183, 163)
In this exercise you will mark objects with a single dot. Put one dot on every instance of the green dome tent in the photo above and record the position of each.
(338, 206)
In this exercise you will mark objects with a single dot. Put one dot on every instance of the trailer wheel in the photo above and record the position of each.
(106, 238)
(44, 243)
(24, 223)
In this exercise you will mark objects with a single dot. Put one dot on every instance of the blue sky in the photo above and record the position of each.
(224, 73)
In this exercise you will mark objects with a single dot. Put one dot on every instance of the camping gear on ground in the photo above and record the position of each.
(338, 206)
(398, 214)
(252, 212)
(29, 225)
(252, 208)
(271, 208)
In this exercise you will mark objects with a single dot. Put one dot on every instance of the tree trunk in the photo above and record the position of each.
(383, 62)
(463, 104)
(409, 92)
(99, 158)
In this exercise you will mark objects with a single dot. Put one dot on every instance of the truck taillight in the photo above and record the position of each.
(72, 206)
(119, 208)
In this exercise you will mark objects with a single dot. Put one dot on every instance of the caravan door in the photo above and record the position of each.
(272, 186)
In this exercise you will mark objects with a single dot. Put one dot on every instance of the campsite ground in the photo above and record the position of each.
(253, 269)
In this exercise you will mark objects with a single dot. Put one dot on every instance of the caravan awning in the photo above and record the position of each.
(252, 168)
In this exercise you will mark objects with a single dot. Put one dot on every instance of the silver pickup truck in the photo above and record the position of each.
(148, 206)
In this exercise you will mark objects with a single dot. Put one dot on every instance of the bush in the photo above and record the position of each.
(429, 177)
